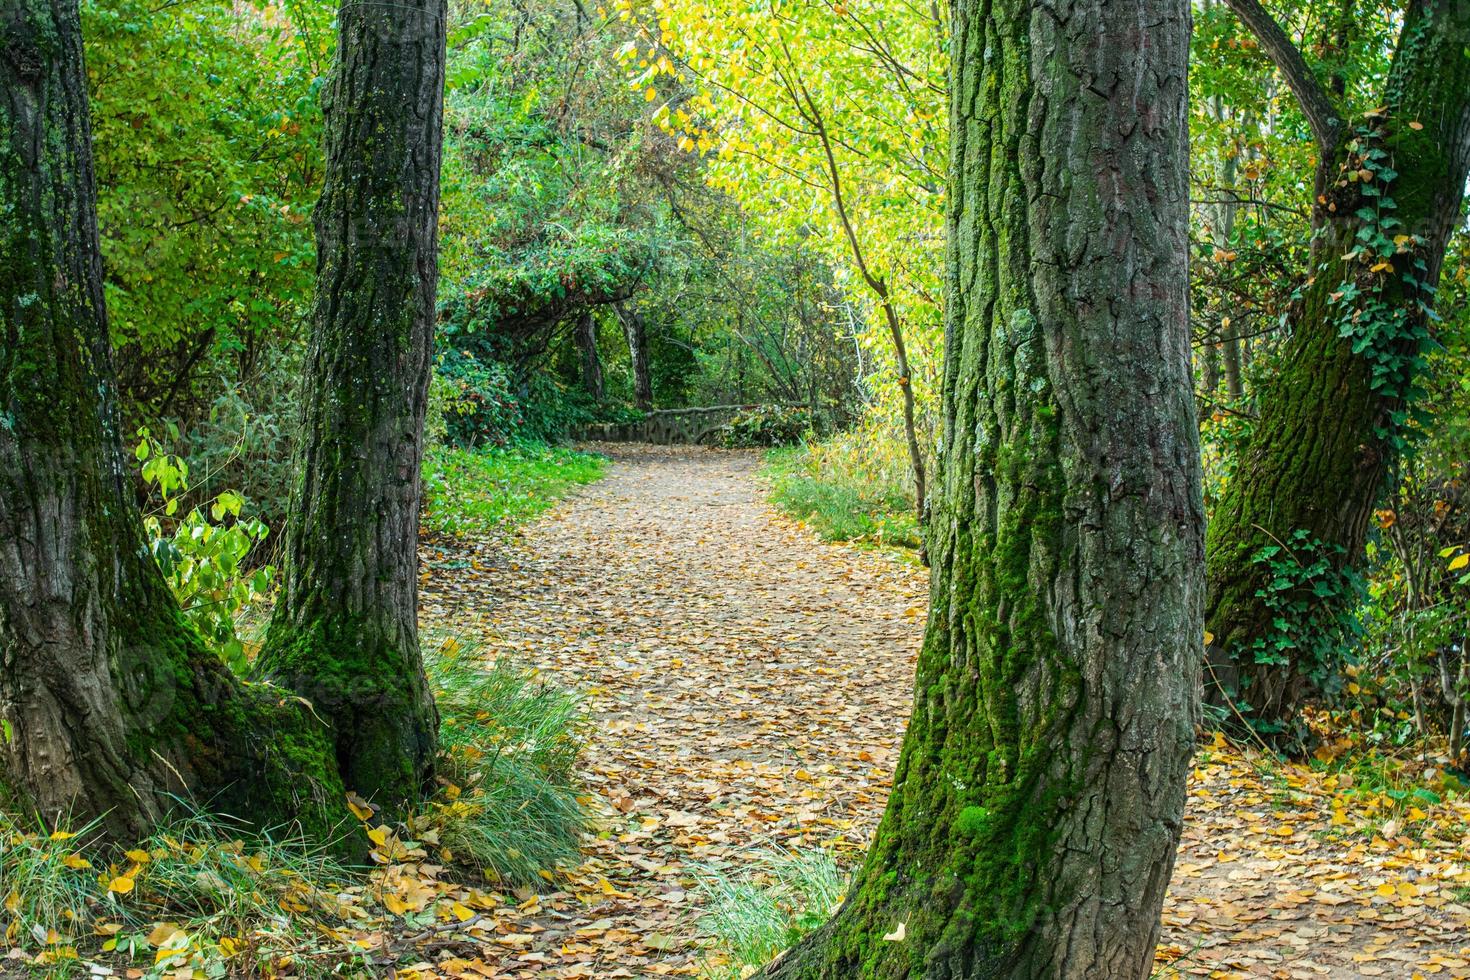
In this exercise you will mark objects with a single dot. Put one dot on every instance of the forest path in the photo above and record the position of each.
(748, 687)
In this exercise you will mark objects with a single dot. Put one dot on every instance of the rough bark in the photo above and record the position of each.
(1037, 802)
(584, 335)
(635, 330)
(112, 706)
(1327, 441)
(345, 631)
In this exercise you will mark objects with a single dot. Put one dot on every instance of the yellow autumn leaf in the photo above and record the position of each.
(76, 861)
(120, 885)
(462, 912)
(378, 835)
(1386, 890)
(1460, 561)
(162, 932)
(61, 835)
(138, 857)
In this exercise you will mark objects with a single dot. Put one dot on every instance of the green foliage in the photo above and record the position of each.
(207, 128)
(1313, 596)
(837, 506)
(765, 426)
(472, 491)
(751, 918)
(509, 740)
(205, 559)
(1384, 303)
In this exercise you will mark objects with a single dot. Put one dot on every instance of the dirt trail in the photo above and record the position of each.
(749, 686)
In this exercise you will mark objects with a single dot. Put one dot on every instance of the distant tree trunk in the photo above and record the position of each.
(1039, 794)
(345, 631)
(1332, 409)
(111, 704)
(635, 329)
(584, 334)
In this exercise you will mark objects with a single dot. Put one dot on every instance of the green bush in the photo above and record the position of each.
(205, 559)
(766, 426)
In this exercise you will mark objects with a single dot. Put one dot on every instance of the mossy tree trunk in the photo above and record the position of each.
(584, 333)
(635, 331)
(1038, 798)
(345, 631)
(112, 707)
(1332, 412)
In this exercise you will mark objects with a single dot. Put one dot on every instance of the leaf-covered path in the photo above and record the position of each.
(748, 687)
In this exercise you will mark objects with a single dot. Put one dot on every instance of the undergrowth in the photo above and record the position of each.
(200, 898)
(840, 507)
(509, 740)
(468, 490)
(206, 897)
(752, 917)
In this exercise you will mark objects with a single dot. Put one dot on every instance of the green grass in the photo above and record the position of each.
(509, 740)
(222, 890)
(753, 916)
(471, 490)
(838, 510)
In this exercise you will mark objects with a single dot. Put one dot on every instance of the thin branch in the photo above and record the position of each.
(1316, 104)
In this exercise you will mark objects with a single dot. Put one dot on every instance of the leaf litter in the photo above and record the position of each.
(748, 687)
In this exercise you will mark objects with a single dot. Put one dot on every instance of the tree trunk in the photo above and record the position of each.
(345, 631)
(635, 329)
(1332, 412)
(584, 334)
(112, 706)
(1038, 798)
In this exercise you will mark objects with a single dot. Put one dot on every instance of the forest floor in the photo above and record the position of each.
(748, 687)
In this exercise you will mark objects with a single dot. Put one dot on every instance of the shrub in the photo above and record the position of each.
(204, 559)
(766, 425)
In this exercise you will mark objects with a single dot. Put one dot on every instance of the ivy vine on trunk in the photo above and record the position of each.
(1334, 412)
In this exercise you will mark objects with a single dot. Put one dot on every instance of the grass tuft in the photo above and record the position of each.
(510, 740)
(837, 508)
(752, 917)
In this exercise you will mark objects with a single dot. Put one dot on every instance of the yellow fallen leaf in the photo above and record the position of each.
(120, 885)
(76, 861)
(138, 857)
(1386, 890)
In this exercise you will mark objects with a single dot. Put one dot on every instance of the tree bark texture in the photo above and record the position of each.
(112, 706)
(1038, 798)
(635, 330)
(345, 631)
(584, 334)
(1324, 449)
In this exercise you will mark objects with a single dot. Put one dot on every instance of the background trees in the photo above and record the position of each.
(1334, 414)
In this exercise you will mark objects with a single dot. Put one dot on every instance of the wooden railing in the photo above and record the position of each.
(670, 426)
